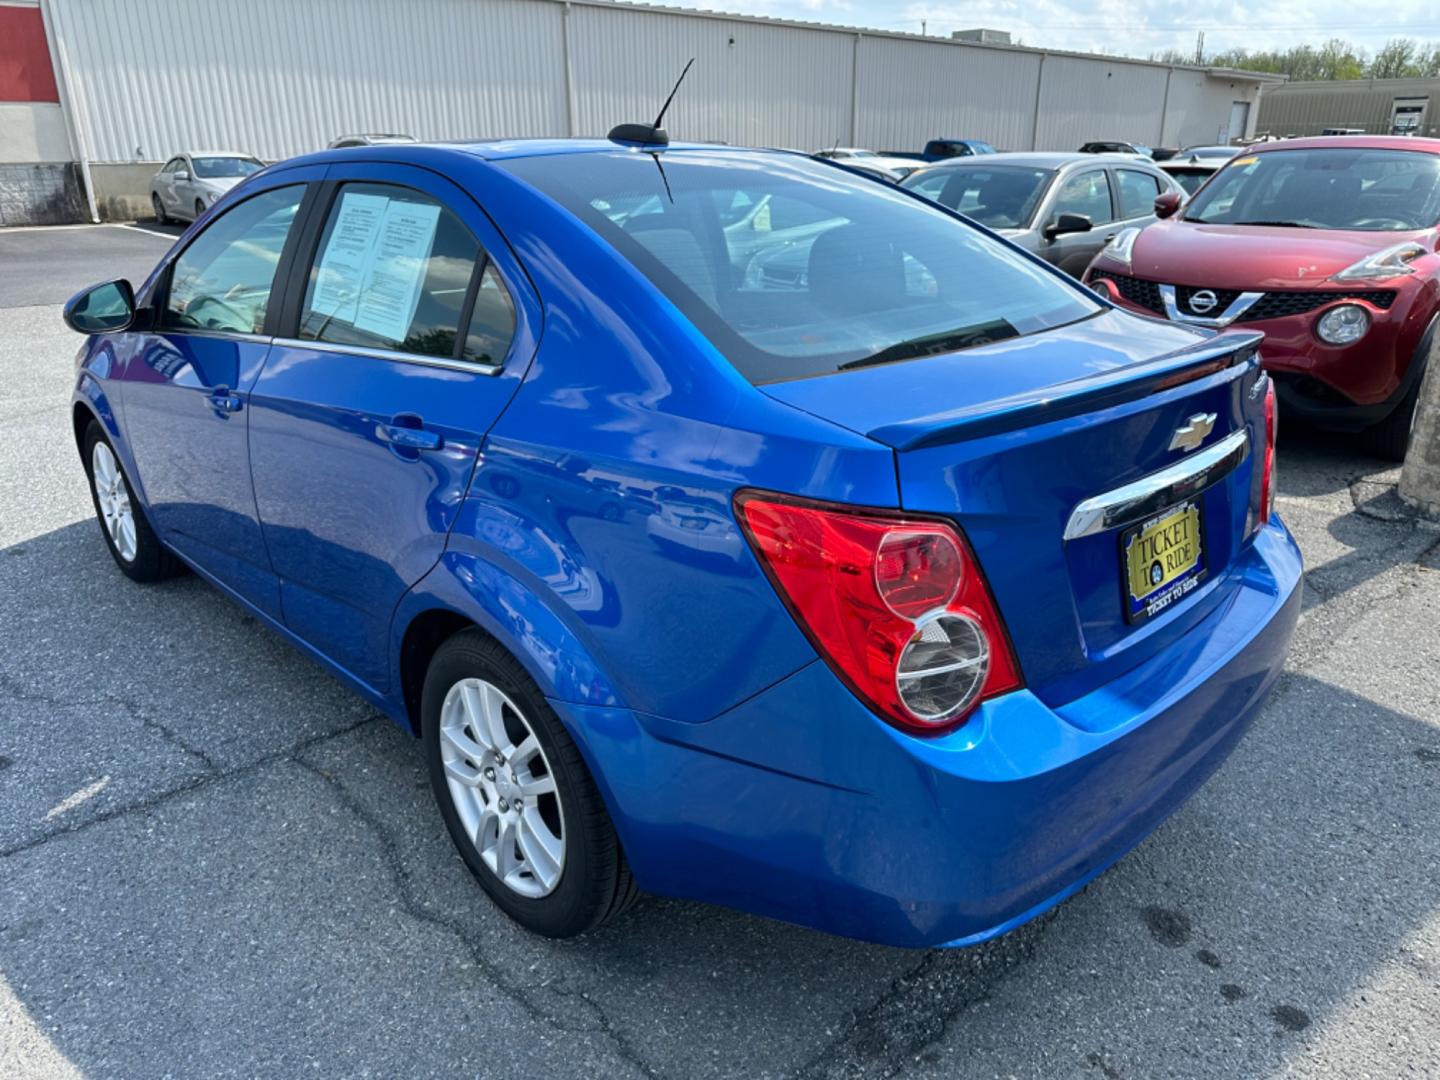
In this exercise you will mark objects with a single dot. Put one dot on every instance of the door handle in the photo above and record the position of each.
(408, 436)
(223, 401)
(1110, 237)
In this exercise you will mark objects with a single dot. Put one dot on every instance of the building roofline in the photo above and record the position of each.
(861, 31)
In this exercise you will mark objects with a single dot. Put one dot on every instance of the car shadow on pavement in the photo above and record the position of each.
(216, 859)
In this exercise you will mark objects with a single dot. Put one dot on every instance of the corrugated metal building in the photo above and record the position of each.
(1375, 106)
(142, 79)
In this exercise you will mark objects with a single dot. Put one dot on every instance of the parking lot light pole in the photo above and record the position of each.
(1420, 477)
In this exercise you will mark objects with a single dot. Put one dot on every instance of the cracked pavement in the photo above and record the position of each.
(215, 860)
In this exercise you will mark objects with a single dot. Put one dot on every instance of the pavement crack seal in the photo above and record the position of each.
(194, 783)
(521, 994)
(915, 1011)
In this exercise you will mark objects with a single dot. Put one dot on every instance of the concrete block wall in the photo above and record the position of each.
(43, 193)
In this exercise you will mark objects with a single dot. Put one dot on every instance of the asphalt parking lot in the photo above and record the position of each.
(214, 860)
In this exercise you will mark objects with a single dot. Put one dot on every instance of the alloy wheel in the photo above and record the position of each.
(113, 496)
(502, 787)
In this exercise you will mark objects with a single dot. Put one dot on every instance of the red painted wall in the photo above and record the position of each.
(25, 72)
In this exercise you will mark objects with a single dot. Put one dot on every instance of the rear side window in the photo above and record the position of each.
(793, 268)
(1138, 191)
(222, 281)
(396, 270)
(1086, 193)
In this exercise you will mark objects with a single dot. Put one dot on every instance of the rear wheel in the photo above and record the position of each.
(161, 218)
(515, 794)
(132, 543)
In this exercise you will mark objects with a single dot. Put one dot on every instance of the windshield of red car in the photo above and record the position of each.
(793, 267)
(1325, 188)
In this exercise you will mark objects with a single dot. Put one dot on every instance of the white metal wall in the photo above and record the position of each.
(911, 91)
(751, 84)
(282, 77)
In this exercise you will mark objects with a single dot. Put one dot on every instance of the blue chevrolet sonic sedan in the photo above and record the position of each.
(724, 524)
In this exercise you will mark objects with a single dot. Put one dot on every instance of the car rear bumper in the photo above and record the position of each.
(798, 804)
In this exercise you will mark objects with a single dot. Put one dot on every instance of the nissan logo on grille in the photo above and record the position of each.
(1203, 301)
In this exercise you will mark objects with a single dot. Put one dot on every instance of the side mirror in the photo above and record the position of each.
(101, 309)
(182, 174)
(1067, 223)
(1166, 205)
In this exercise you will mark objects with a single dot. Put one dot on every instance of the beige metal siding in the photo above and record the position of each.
(284, 77)
(1198, 112)
(1308, 108)
(751, 84)
(1083, 100)
(912, 91)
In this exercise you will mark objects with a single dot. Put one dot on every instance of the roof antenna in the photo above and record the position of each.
(650, 134)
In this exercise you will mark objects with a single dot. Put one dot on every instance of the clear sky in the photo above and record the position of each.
(1128, 27)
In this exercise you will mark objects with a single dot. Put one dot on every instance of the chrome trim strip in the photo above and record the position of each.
(218, 335)
(1138, 500)
(391, 354)
(1238, 307)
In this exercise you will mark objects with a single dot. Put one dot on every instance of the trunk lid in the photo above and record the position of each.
(1010, 439)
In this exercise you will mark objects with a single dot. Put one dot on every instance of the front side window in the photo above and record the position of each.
(823, 271)
(1086, 193)
(396, 270)
(1002, 197)
(225, 168)
(1138, 191)
(222, 281)
(1340, 188)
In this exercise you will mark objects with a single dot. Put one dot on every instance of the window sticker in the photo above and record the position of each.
(347, 255)
(398, 264)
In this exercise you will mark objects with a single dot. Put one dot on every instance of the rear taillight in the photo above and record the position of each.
(1267, 462)
(896, 605)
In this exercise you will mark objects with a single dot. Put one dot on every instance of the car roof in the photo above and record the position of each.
(1353, 142)
(214, 153)
(1031, 159)
(504, 149)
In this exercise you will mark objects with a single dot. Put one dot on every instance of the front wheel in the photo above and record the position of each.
(199, 209)
(132, 543)
(1390, 438)
(515, 794)
(160, 216)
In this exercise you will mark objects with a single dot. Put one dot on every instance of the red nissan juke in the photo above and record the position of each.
(1326, 245)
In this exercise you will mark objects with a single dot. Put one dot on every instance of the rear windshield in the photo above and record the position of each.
(794, 268)
(1345, 188)
(223, 168)
(1190, 179)
(1002, 197)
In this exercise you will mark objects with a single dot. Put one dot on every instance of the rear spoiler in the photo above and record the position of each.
(1231, 349)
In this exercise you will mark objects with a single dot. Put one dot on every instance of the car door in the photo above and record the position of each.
(1086, 192)
(1135, 193)
(165, 183)
(186, 381)
(408, 329)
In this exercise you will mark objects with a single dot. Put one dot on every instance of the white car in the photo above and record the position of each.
(854, 156)
(1194, 165)
(190, 183)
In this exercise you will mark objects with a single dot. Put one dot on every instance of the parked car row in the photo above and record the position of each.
(724, 524)
(191, 182)
(1328, 247)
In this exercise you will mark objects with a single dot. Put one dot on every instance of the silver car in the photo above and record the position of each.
(190, 183)
(1063, 207)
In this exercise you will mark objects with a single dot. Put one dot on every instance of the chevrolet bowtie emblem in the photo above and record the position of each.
(1189, 435)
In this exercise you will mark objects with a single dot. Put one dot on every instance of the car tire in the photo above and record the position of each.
(1390, 438)
(199, 209)
(470, 683)
(161, 218)
(132, 543)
